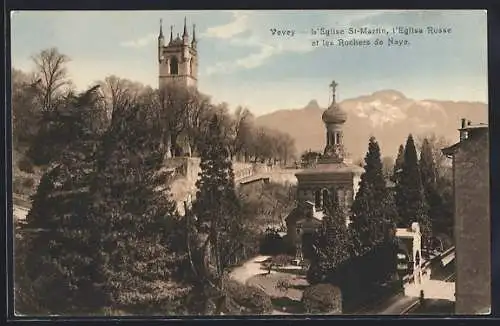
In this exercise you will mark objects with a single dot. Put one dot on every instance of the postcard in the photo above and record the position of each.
(251, 162)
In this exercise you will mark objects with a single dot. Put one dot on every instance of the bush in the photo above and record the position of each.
(283, 285)
(25, 165)
(322, 298)
(252, 299)
(18, 187)
(28, 183)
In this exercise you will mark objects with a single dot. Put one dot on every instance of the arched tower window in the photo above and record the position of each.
(191, 67)
(174, 66)
(317, 199)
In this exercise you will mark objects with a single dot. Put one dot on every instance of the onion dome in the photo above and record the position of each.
(334, 114)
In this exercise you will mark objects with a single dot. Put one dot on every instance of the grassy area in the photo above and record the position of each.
(285, 300)
(288, 305)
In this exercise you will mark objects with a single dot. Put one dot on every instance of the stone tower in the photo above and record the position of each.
(177, 60)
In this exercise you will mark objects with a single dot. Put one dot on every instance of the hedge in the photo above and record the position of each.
(253, 300)
(322, 298)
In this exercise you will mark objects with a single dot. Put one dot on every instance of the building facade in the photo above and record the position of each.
(471, 180)
(332, 178)
(177, 59)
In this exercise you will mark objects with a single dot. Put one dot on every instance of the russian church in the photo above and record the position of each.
(333, 178)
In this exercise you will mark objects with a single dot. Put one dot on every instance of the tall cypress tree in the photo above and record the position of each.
(331, 244)
(398, 164)
(435, 201)
(410, 196)
(372, 208)
(138, 263)
(217, 210)
(60, 253)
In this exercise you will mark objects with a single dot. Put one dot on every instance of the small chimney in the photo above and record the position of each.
(463, 133)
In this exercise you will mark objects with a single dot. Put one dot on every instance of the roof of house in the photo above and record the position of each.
(323, 168)
(470, 128)
(474, 126)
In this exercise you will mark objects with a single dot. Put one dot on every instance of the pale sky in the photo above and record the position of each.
(242, 63)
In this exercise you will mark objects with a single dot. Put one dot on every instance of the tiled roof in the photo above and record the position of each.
(332, 168)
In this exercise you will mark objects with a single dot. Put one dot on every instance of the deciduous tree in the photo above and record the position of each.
(139, 261)
(60, 251)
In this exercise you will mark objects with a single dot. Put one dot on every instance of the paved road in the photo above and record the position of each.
(395, 305)
(249, 269)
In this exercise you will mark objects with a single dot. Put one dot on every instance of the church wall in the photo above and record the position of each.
(344, 190)
(355, 182)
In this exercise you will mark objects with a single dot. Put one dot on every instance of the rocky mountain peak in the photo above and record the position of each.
(312, 105)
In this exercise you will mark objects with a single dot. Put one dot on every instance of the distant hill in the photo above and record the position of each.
(388, 115)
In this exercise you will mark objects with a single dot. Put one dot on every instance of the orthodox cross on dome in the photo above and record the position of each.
(333, 85)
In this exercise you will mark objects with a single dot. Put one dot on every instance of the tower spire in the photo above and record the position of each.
(194, 33)
(171, 33)
(185, 34)
(161, 27)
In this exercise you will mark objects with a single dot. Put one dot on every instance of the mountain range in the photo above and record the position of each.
(388, 115)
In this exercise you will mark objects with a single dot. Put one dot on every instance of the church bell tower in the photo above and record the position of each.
(178, 59)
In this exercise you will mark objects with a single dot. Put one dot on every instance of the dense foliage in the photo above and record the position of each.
(398, 165)
(99, 232)
(322, 298)
(130, 205)
(437, 191)
(373, 208)
(309, 158)
(267, 204)
(252, 300)
(60, 259)
(410, 197)
(330, 244)
(220, 230)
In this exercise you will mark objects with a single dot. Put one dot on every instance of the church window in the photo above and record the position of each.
(317, 199)
(348, 197)
(341, 197)
(325, 196)
(174, 66)
(191, 66)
